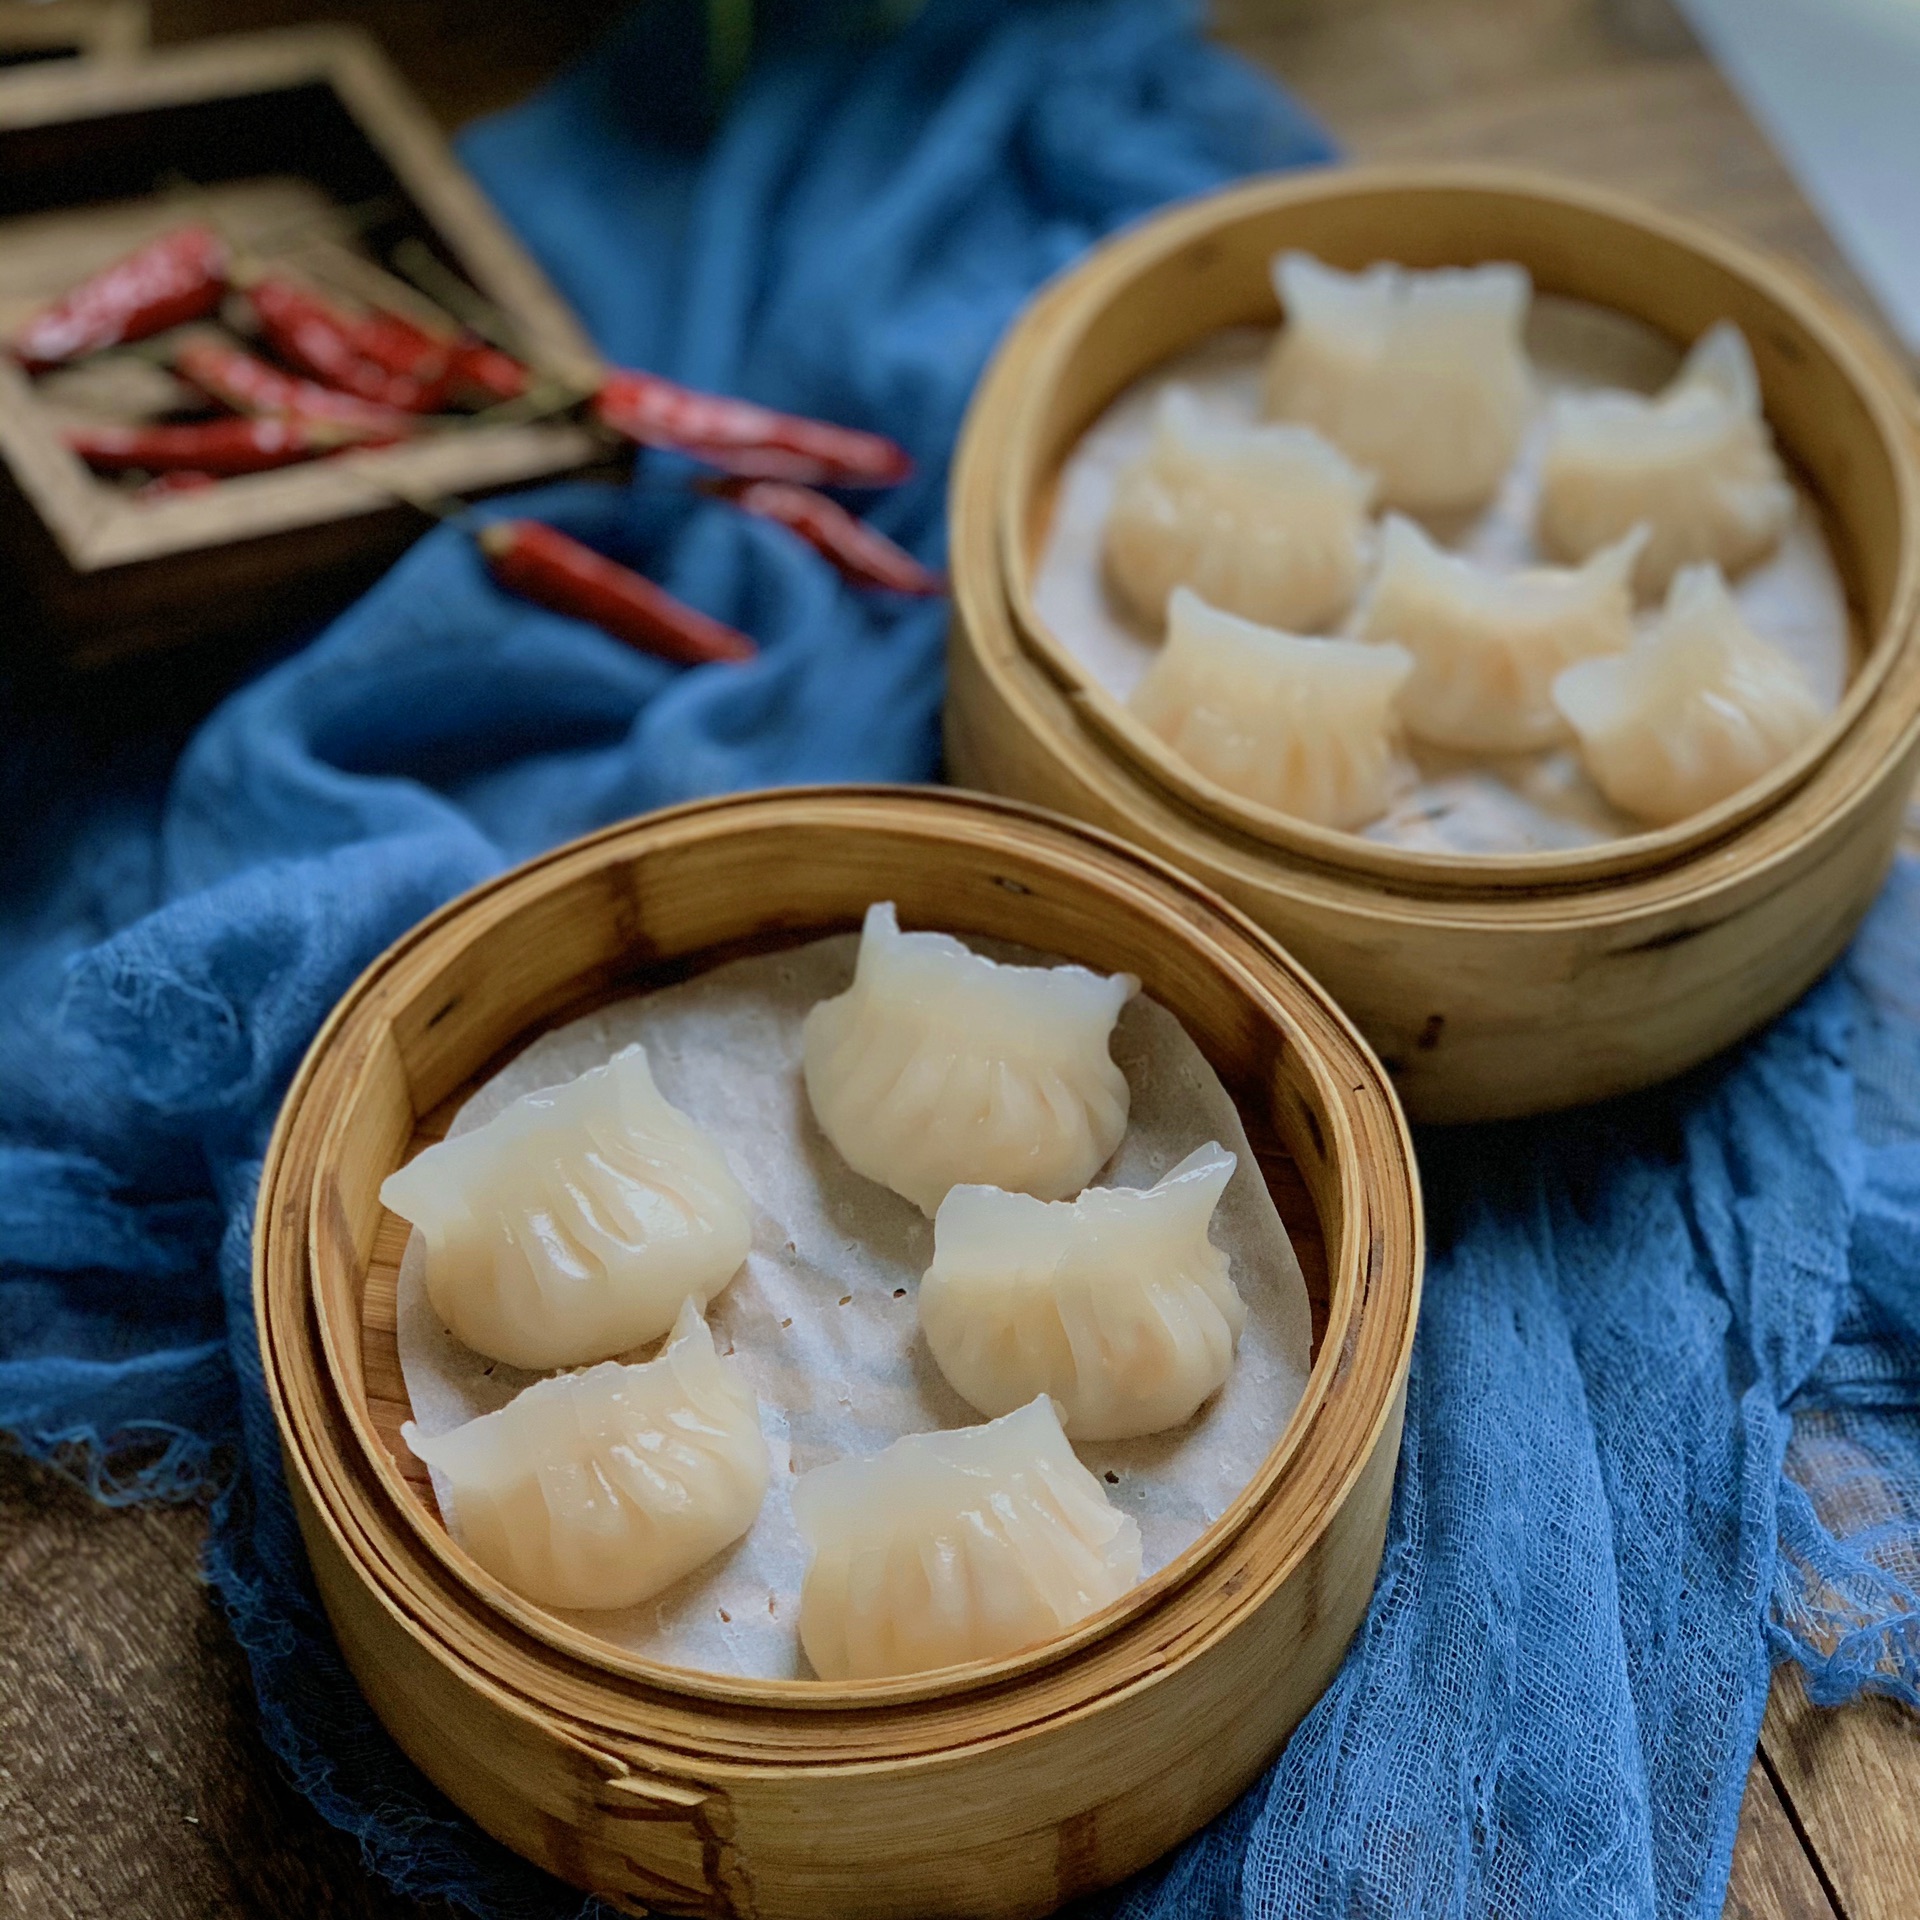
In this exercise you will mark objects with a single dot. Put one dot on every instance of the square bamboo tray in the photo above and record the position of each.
(32, 31)
(272, 133)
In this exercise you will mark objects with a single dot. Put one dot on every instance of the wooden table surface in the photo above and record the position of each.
(133, 1781)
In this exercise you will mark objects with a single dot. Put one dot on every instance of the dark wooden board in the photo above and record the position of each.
(32, 31)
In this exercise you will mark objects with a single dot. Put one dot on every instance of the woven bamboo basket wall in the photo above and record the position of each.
(1000, 1789)
(1491, 984)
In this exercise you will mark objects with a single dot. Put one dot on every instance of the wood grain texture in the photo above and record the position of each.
(1611, 91)
(134, 1783)
(1772, 1879)
(133, 1779)
(252, 115)
(1617, 94)
(1853, 1781)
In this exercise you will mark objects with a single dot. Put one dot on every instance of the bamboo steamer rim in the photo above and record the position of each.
(1763, 855)
(1766, 851)
(1030, 365)
(340, 1056)
(984, 634)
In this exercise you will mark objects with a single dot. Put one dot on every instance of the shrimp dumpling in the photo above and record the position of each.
(1699, 707)
(1487, 646)
(572, 1225)
(1116, 1305)
(1268, 522)
(600, 1489)
(1419, 377)
(1694, 462)
(1304, 726)
(939, 1067)
(950, 1547)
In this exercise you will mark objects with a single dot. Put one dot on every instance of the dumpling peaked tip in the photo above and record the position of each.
(1116, 1305)
(1421, 376)
(1699, 707)
(571, 1226)
(939, 1067)
(598, 1489)
(1267, 521)
(1306, 726)
(954, 1547)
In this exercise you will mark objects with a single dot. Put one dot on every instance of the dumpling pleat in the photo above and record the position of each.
(1117, 1305)
(939, 1067)
(952, 1547)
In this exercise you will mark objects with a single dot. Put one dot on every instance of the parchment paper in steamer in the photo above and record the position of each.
(823, 1319)
(1448, 802)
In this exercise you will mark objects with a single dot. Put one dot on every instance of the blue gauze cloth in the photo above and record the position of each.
(1664, 1419)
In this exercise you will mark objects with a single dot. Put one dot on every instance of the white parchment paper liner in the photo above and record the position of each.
(823, 1320)
(1448, 802)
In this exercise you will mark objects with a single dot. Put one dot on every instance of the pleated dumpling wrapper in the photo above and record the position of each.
(572, 1225)
(958, 1546)
(1419, 377)
(1694, 462)
(1116, 1305)
(1700, 707)
(1488, 646)
(940, 1068)
(601, 1489)
(1307, 727)
(1269, 522)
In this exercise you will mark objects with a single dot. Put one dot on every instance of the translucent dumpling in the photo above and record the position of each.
(1698, 708)
(1419, 377)
(598, 1489)
(939, 1067)
(1304, 726)
(1116, 1305)
(1487, 646)
(1267, 522)
(1695, 463)
(573, 1224)
(950, 1547)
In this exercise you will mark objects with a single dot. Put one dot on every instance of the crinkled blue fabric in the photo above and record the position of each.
(1663, 1429)
(1664, 1421)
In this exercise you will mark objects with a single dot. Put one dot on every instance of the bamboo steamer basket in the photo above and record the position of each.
(1003, 1788)
(1501, 984)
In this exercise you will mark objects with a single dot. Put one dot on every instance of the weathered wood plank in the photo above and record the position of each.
(1598, 89)
(1852, 1778)
(1772, 1877)
(133, 1777)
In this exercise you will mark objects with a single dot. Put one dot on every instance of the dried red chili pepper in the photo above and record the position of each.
(215, 446)
(317, 337)
(247, 384)
(489, 372)
(740, 436)
(438, 361)
(862, 553)
(399, 345)
(178, 277)
(553, 570)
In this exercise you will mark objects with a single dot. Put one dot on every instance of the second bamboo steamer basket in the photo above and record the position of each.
(1497, 985)
(998, 1790)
